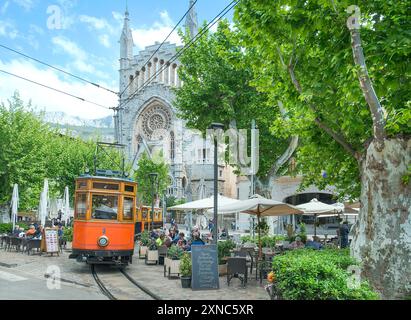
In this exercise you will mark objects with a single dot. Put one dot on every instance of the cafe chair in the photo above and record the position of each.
(162, 253)
(15, 242)
(235, 268)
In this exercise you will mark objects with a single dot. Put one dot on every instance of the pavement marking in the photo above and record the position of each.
(10, 277)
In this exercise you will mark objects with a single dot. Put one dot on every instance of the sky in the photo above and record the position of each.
(81, 37)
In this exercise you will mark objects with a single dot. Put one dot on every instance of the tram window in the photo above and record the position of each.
(128, 208)
(105, 186)
(82, 185)
(129, 188)
(104, 207)
(81, 206)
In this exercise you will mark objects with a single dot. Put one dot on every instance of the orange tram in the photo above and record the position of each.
(104, 220)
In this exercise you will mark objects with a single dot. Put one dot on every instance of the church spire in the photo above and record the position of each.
(126, 40)
(191, 20)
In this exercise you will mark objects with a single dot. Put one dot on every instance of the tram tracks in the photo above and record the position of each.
(135, 283)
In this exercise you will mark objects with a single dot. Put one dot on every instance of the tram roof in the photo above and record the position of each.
(106, 178)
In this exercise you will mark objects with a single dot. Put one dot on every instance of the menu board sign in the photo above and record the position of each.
(52, 240)
(204, 268)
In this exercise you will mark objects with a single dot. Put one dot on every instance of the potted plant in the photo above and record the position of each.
(185, 270)
(152, 253)
(172, 261)
(224, 248)
(144, 243)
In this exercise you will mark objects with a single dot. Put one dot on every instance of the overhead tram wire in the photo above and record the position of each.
(158, 49)
(186, 47)
(58, 69)
(54, 89)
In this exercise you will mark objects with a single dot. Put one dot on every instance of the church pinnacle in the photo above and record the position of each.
(191, 20)
(126, 40)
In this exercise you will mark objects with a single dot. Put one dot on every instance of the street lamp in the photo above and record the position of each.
(153, 177)
(216, 126)
(164, 206)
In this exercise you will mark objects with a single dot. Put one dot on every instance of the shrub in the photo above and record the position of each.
(145, 239)
(175, 252)
(153, 246)
(185, 265)
(307, 274)
(224, 248)
(68, 234)
(6, 227)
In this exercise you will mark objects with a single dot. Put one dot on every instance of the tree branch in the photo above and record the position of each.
(368, 89)
(337, 137)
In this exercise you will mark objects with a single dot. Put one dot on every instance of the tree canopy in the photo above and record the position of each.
(217, 77)
(302, 56)
(145, 167)
(31, 151)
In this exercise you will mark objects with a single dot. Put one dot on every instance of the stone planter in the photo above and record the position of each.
(173, 268)
(152, 256)
(143, 251)
(222, 269)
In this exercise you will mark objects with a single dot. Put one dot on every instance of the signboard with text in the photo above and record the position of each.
(204, 268)
(51, 240)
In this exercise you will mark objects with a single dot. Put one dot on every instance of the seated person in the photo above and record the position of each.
(197, 241)
(22, 234)
(31, 232)
(297, 244)
(16, 231)
(314, 244)
(168, 242)
(160, 240)
(181, 241)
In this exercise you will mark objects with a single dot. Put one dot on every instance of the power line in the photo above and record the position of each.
(54, 89)
(186, 47)
(175, 27)
(58, 69)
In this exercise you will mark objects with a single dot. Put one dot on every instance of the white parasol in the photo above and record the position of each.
(14, 205)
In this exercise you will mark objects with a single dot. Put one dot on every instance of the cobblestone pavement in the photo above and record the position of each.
(150, 276)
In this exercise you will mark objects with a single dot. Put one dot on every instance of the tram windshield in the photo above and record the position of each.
(104, 207)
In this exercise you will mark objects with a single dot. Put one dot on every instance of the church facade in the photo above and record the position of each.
(146, 120)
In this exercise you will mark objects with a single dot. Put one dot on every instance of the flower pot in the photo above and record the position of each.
(143, 250)
(222, 269)
(173, 268)
(186, 282)
(152, 256)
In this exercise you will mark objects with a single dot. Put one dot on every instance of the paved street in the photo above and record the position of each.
(24, 277)
(18, 285)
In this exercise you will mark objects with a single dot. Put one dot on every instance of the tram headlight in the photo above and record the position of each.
(103, 241)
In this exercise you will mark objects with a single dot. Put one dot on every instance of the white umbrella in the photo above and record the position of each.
(315, 207)
(14, 205)
(202, 204)
(261, 207)
(44, 203)
(66, 204)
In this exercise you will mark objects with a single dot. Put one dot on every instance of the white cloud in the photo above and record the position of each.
(7, 29)
(96, 23)
(105, 40)
(147, 36)
(70, 47)
(49, 100)
(25, 4)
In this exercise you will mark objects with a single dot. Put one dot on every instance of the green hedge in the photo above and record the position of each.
(8, 227)
(307, 274)
(266, 241)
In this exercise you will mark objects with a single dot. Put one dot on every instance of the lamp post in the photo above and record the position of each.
(216, 126)
(164, 206)
(153, 176)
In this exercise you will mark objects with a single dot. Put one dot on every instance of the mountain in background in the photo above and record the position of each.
(87, 129)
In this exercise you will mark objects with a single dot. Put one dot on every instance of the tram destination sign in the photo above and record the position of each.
(204, 268)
